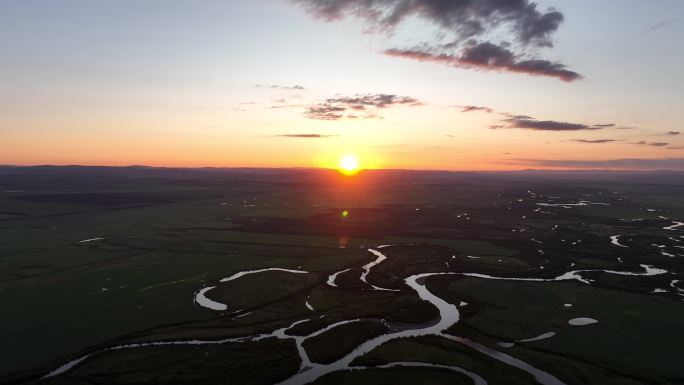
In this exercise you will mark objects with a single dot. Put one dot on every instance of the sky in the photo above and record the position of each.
(417, 84)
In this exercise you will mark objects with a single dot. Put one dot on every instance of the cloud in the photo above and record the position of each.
(464, 29)
(277, 87)
(361, 102)
(622, 164)
(475, 108)
(306, 136)
(657, 26)
(325, 111)
(672, 133)
(461, 18)
(284, 106)
(676, 148)
(594, 141)
(357, 106)
(528, 123)
(283, 103)
(654, 144)
(490, 57)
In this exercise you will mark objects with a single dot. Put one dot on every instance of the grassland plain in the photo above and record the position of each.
(93, 258)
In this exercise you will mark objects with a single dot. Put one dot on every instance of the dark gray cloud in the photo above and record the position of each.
(306, 136)
(673, 133)
(463, 19)
(361, 102)
(490, 57)
(528, 123)
(278, 87)
(466, 29)
(594, 141)
(325, 111)
(475, 108)
(654, 144)
(364, 106)
(624, 164)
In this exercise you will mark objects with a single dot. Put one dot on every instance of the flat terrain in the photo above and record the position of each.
(205, 276)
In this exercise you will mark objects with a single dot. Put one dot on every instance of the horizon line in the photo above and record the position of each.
(334, 169)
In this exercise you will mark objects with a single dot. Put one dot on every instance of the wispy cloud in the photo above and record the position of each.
(490, 57)
(594, 141)
(657, 26)
(306, 136)
(475, 108)
(653, 144)
(464, 28)
(279, 87)
(622, 164)
(357, 106)
(673, 133)
(284, 103)
(529, 123)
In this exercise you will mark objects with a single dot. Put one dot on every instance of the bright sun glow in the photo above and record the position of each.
(349, 164)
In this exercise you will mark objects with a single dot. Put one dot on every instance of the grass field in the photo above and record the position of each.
(91, 259)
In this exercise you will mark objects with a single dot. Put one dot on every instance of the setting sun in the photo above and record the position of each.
(349, 164)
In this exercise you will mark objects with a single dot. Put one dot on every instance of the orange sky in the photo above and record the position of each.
(280, 88)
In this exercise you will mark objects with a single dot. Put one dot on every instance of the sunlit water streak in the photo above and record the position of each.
(614, 239)
(202, 300)
(367, 268)
(333, 277)
(540, 337)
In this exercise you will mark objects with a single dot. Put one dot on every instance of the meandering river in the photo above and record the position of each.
(448, 316)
